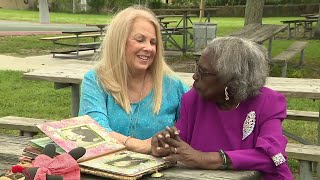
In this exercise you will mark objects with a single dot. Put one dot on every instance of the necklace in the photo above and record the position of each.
(237, 106)
(133, 122)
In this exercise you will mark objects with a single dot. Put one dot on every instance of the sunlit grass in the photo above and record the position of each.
(23, 15)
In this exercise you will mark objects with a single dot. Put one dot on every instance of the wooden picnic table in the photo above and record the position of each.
(187, 10)
(310, 16)
(185, 19)
(76, 46)
(72, 75)
(165, 23)
(102, 27)
(11, 148)
(260, 33)
(307, 25)
(79, 32)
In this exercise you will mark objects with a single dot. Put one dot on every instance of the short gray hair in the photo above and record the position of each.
(239, 63)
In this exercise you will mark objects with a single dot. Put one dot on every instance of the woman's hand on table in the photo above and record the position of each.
(158, 145)
(183, 152)
(138, 145)
(168, 144)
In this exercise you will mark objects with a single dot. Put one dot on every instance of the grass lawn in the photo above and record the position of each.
(21, 15)
(38, 99)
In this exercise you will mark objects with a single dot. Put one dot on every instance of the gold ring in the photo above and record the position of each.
(175, 150)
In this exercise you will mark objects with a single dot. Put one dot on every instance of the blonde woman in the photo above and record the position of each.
(132, 92)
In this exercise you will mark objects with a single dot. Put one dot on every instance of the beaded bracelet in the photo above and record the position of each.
(125, 141)
(224, 159)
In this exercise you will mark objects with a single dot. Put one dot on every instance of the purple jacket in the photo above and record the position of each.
(206, 128)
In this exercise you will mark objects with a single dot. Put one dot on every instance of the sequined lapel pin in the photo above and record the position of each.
(248, 124)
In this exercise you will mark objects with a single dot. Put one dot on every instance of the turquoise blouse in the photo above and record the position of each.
(141, 123)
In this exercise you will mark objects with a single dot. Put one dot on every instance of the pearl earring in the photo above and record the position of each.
(226, 94)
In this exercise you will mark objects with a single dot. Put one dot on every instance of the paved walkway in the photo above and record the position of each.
(32, 28)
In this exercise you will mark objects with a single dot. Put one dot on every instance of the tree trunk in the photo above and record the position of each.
(83, 5)
(253, 12)
(201, 7)
(44, 11)
(317, 32)
(74, 4)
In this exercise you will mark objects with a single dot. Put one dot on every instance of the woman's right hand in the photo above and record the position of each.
(158, 146)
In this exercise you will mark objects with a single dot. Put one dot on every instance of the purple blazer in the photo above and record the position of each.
(251, 135)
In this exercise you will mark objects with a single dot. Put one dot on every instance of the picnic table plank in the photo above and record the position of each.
(11, 148)
(291, 51)
(69, 37)
(310, 152)
(21, 123)
(258, 32)
(73, 73)
(181, 172)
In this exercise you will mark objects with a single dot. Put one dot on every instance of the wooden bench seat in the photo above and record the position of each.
(288, 54)
(302, 116)
(11, 148)
(90, 44)
(26, 126)
(69, 51)
(70, 37)
(306, 154)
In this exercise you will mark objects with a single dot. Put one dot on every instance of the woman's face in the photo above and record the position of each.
(206, 82)
(141, 45)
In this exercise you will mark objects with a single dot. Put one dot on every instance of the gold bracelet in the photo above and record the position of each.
(125, 141)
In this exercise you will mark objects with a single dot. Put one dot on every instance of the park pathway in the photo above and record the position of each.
(33, 28)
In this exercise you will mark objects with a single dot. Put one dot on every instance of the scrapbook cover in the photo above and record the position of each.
(125, 163)
(81, 131)
(40, 143)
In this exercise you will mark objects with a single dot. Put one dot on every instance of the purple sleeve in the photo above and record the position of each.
(270, 142)
(181, 124)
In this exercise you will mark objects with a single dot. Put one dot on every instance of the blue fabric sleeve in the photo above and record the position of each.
(93, 100)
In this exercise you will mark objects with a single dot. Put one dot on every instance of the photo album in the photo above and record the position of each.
(104, 156)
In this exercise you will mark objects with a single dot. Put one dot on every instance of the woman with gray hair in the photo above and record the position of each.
(132, 92)
(229, 120)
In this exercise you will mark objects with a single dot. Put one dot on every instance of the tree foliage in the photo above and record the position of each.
(97, 5)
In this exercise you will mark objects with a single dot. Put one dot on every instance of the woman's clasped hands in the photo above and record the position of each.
(172, 148)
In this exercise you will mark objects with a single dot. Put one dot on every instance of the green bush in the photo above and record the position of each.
(156, 4)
